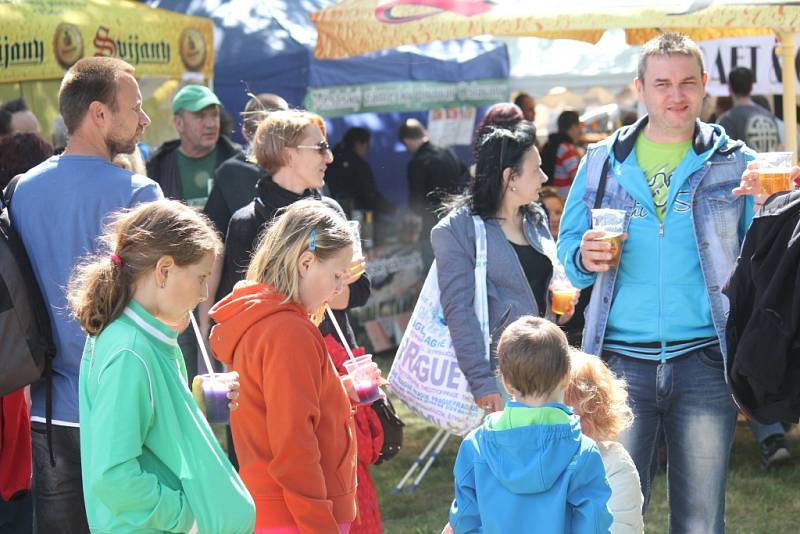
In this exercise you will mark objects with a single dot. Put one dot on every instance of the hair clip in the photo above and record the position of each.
(503, 145)
(312, 240)
(116, 260)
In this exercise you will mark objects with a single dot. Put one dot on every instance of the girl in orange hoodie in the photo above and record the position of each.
(294, 431)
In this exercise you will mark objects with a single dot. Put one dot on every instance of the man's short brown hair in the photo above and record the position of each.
(90, 79)
(279, 131)
(669, 44)
(533, 355)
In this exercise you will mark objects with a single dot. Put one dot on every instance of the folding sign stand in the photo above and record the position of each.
(436, 444)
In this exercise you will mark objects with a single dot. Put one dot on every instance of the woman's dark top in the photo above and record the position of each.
(538, 270)
(246, 226)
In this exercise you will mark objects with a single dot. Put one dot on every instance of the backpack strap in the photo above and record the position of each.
(8, 192)
(5, 204)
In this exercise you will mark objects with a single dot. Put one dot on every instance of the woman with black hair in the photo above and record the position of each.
(521, 252)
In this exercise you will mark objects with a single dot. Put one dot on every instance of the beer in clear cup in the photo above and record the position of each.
(562, 299)
(612, 223)
(775, 172)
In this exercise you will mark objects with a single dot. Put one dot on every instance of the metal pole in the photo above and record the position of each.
(788, 50)
(417, 463)
(412, 488)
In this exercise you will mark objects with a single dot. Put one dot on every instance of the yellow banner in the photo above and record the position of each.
(354, 27)
(40, 39)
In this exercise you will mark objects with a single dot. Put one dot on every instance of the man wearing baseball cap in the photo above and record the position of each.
(185, 167)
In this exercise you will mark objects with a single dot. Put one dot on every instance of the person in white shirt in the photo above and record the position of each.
(601, 401)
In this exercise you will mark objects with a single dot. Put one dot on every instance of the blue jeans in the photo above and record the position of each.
(57, 491)
(686, 398)
(762, 431)
(16, 516)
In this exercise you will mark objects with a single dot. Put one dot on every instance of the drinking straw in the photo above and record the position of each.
(203, 347)
(338, 331)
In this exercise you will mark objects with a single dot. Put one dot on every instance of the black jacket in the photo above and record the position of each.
(550, 151)
(433, 174)
(234, 186)
(763, 330)
(352, 183)
(162, 166)
(244, 229)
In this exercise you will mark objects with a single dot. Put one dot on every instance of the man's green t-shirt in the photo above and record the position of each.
(658, 161)
(197, 177)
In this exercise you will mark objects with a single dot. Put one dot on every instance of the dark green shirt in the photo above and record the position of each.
(197, 177)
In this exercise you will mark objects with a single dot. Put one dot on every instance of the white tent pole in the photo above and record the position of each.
(788, 50)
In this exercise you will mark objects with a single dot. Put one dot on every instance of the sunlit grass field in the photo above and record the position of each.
(757, 501)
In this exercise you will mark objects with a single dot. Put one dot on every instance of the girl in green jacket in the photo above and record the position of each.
(149, 460)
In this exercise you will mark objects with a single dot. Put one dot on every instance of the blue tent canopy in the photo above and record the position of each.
(268, 47)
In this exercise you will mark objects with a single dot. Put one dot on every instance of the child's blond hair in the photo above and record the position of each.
(598, 397)
(307, 224)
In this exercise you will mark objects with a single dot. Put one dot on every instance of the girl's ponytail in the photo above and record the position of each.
(99, 290)
(102, 285)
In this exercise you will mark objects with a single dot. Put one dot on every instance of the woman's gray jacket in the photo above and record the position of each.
(510, 295)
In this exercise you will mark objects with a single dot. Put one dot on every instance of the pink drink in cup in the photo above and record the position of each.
(212, 395)
(365, 380)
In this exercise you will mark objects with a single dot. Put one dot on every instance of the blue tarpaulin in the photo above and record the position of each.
(268, 47)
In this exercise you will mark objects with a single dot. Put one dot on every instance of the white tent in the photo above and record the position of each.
(538, 65)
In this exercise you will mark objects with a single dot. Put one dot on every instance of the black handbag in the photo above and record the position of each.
(392, 429)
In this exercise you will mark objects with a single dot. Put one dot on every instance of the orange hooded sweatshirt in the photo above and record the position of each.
(294, 431)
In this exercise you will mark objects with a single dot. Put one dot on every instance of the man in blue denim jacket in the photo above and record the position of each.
(659, 317)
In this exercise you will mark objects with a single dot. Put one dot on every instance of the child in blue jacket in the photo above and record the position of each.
(529, 468)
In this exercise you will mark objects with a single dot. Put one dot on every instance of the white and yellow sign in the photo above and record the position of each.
(40, 39)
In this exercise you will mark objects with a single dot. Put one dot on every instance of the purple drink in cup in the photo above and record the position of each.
(365, 381)
(367, 393)
(211, 395)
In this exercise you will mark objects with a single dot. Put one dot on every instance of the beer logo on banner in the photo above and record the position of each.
(133, 49)
(192, 48)
(67, 45)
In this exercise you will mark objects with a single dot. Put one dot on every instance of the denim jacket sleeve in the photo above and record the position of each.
(574, 223)
(749, 201)
(453, 241)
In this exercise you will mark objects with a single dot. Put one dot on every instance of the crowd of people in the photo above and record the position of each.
(251, 238)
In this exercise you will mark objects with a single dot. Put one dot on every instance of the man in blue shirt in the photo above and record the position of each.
(658, 319)
(59, 209)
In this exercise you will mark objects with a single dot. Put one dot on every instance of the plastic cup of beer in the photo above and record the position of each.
(775, 172)
(365, 380)
(355, 229)
(562, 298)
(612, 223)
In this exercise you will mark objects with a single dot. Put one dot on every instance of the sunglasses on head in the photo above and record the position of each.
(322, 147)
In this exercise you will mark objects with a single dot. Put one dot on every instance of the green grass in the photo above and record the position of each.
(757, 501)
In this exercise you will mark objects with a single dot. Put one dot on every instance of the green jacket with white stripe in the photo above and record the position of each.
(150, 462)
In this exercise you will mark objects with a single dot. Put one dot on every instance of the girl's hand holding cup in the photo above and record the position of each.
(363, 380)
(216, 396)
